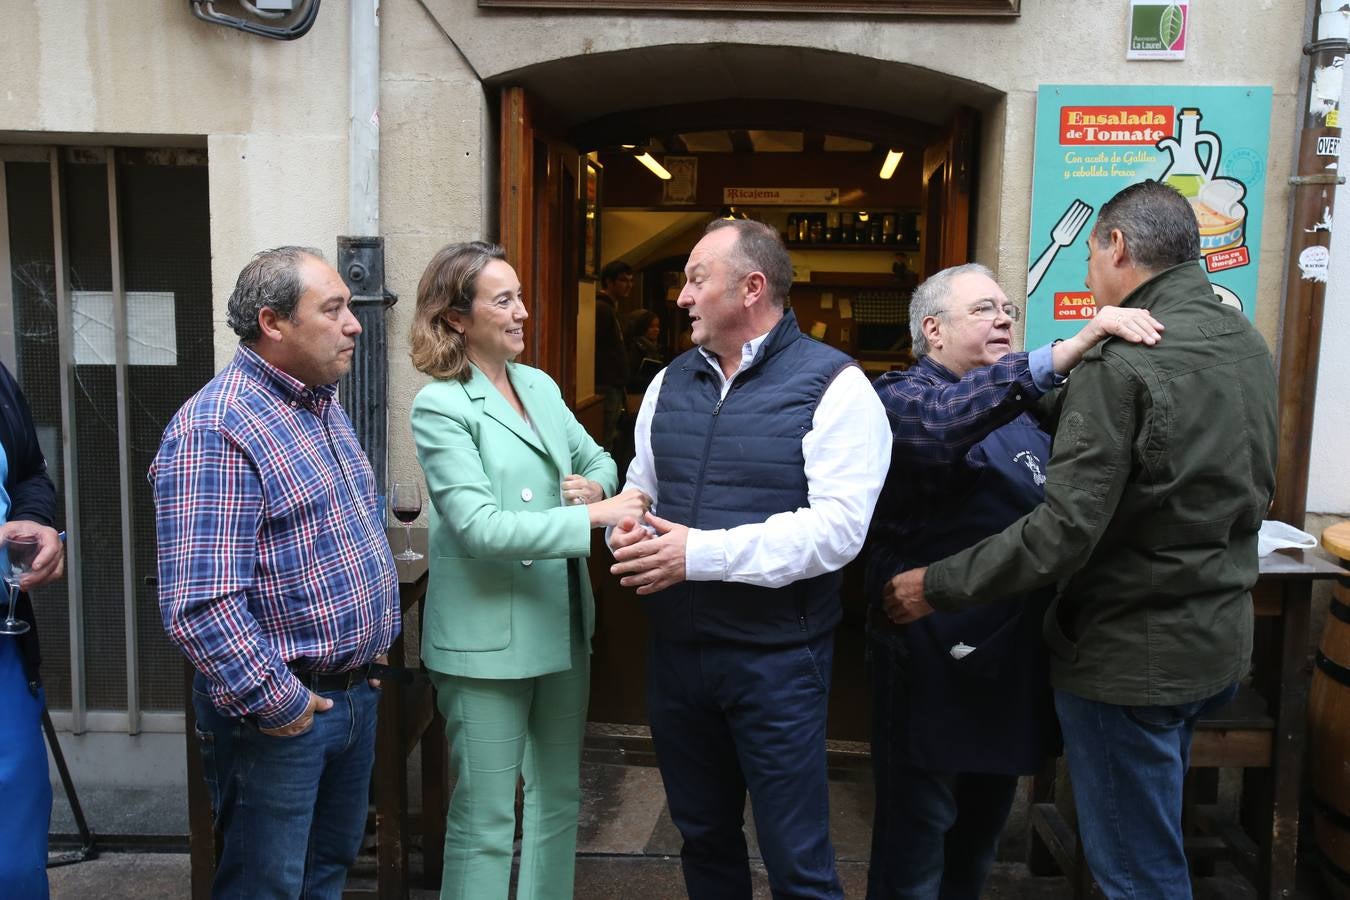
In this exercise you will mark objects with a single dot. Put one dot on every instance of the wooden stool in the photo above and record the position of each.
(1329, 729)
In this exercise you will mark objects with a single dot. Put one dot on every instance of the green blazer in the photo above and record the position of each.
(500, 540)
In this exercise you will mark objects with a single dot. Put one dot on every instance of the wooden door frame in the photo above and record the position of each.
(538, 228)
(949, 171)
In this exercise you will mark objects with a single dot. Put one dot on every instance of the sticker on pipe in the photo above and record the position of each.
(1312, 262)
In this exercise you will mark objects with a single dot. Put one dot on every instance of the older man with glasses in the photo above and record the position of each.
(961, 700)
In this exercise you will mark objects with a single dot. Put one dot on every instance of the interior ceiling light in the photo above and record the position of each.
(892, 160)
(655, 167)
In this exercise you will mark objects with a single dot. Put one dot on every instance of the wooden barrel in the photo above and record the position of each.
(1329, 728)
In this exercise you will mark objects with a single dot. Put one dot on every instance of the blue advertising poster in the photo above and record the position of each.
(1210, 143)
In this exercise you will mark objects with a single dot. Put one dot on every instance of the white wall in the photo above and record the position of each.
(1329, 475)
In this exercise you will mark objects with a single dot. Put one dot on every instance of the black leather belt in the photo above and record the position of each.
(319, 682)
(345, 681)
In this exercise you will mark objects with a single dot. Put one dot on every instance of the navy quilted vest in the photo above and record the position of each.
(727, 462)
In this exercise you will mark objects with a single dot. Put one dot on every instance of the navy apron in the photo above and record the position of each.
(991, 710)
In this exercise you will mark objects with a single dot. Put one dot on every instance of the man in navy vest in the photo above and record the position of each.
(961, 700)
(763, 451)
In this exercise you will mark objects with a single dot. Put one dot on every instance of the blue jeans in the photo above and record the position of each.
(1127, 764)
(730, 717)
(292, 810)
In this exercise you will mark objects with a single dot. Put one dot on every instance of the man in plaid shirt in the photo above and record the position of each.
(276, 581)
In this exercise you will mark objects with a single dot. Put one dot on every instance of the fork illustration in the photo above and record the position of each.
(1063, 234)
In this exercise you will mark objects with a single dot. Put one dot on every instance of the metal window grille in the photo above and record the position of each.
(105, 320)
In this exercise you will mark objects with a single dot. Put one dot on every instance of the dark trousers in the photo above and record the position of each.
(727, 718)
(934, 834)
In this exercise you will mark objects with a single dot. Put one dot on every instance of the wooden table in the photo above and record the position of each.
(407, 717)
(1261, 733)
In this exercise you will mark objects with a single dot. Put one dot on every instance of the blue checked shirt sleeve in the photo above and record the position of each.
(934, 421)
(208, 510)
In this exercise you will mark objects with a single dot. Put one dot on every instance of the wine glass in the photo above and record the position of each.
(20, 551)
(405, 502)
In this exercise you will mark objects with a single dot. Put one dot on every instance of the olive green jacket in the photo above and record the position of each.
(500, 540)
(1162, 468)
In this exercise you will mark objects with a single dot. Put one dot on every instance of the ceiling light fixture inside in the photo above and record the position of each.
(892, 161)
(655, 167)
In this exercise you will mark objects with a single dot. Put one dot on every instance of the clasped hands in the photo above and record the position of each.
(648, 557)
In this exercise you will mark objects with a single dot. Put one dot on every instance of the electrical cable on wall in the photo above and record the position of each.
(303, 19)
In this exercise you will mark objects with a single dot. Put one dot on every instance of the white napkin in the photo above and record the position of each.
(1279, 535)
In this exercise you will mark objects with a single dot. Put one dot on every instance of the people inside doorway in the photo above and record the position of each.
(1162, 469)
(28, 510)
(743, 607)
(645, 358)
(611, 355)
(277, 583)
(516, 485)
(961, 700)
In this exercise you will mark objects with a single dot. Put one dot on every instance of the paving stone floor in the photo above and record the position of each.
(627, 848)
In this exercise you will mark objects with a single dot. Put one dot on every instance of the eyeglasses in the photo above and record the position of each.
(990, 310)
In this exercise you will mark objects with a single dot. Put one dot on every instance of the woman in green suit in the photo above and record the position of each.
(516, 486)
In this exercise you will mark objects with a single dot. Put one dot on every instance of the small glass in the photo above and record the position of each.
(405, 502)
(20, 551)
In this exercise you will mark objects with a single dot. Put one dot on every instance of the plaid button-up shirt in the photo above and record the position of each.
(272, 547)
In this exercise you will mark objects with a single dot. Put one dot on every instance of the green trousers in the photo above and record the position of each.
(499, 729)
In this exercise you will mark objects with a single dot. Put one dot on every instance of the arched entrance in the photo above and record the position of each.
(811, 122)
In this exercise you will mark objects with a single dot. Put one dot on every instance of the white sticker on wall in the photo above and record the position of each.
(1312, 262)
(151, 331)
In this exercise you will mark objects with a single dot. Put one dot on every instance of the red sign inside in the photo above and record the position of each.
(1075, 305)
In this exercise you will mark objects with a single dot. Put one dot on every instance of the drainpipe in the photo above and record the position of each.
(1314, 200)
(364, 390)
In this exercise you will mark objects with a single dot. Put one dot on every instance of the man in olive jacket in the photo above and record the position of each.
(1162, 468)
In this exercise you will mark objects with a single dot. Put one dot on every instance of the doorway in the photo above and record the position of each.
(811, 169)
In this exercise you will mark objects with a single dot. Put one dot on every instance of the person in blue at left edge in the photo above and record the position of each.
(28, 504)
(961, 700)
(277, 582)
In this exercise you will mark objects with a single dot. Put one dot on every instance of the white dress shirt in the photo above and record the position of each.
(847, 453)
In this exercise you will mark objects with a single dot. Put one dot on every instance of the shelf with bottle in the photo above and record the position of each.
(852, 229)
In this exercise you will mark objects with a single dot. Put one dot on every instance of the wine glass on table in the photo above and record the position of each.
(405, 502)
(20, 550)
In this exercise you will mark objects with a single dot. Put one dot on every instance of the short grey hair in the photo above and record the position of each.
(930, 299)
(1158, 224)
(271, 280)
(759, 248)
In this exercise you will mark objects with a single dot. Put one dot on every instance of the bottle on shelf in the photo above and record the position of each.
(862, 227)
